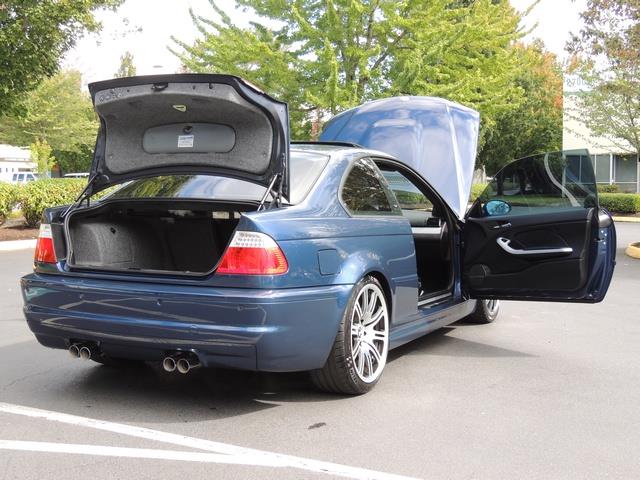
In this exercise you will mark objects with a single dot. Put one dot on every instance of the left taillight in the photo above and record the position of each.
(253, 253)
(45, 253)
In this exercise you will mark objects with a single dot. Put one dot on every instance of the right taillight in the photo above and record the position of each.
(253, 253)
(45, 253)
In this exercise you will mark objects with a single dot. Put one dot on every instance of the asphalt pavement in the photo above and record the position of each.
(548, 391)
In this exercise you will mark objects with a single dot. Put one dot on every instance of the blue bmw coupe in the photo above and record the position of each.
(226, 245)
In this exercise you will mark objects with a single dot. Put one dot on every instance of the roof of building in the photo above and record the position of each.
(9, 152)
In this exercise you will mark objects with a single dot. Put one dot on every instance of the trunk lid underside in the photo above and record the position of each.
(173, 124)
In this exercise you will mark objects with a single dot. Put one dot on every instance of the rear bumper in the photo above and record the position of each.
(270, 330)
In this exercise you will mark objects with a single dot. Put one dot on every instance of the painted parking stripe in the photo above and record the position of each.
(126, 452)
(257, 457)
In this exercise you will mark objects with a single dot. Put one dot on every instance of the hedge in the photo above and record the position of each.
(8, 200)
(37, 196)
(606, 188)
(620, 202)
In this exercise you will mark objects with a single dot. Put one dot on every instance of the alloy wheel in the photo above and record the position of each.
(369, 333)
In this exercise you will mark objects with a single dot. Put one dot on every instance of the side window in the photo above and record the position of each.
(542, 183)
(407, 193)
(365, 191)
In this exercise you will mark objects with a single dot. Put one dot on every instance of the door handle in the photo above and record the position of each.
(501, 225)
(505, 245)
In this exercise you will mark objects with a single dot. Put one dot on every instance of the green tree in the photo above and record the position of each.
(127, 66)
(535, 125)
(59, 113)
(324, 57)
(34, 35)
(41, 155)
(607, 57)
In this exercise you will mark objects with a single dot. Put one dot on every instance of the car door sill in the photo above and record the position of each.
(434, 299)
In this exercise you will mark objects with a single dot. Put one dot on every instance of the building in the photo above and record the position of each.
(14, 160)
(612, 162)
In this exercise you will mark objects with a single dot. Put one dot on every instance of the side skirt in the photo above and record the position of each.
(429, 322)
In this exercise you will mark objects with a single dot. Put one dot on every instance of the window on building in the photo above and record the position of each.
(626, 172)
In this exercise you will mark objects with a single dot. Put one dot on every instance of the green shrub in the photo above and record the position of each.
(620, 202)
(8, 200)
(476, 191)
(37, 196)
(606, 188)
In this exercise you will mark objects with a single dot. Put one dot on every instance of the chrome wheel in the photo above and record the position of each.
(492, 306)
(369, 333)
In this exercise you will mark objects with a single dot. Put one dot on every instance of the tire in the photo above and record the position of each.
(486, 311)
(356, 374)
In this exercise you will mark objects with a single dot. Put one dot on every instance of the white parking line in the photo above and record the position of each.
(108, 451)
(249, 455)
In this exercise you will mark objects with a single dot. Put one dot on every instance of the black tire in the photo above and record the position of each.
(485, 311)
(340, 373)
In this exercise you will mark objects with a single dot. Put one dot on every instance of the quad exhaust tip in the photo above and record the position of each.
(186, 364)
(82, 350)
(180, 362)
(74, 351)
(169, 364)
(85, 353)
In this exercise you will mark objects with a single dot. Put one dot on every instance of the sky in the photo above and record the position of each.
(145, 27)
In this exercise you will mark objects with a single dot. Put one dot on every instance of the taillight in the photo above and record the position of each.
(253, 253)
(44, 247)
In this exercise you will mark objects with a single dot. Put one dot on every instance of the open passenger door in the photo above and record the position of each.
(537, 233)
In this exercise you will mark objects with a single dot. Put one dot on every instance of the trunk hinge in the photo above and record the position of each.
(276, 193)
(274, 189)
(85, 194)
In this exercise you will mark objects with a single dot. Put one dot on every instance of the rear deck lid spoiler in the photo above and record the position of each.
(188, 124)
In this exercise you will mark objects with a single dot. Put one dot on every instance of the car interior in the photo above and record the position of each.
(431, 231)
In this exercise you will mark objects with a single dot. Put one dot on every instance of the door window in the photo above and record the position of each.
(365, 191)
(407, 193)
(540, 183)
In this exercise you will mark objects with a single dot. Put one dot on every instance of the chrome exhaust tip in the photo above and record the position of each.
(184, 365)
(85, 353)
(74, 351)
(169, 364)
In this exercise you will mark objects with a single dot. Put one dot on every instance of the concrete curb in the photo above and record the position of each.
(633, 250)
(627, 219)
(11, 245)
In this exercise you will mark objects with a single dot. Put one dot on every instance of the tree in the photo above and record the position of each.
(41, 155)
(58, 113)
(127, 67)
(607, 56)
(34, 35)
(324, 57)
(535, 126)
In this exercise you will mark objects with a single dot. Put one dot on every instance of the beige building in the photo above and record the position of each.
(612, 162)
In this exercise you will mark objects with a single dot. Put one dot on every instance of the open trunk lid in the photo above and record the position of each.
(186, 124)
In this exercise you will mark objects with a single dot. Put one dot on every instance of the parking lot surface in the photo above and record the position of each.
(547, 391)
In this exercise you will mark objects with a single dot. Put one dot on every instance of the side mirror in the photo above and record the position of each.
(496, 207)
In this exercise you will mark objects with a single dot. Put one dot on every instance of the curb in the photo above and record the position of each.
(633, 250)
(626, 219)
(11, 245)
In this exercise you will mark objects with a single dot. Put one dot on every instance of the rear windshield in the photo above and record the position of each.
(305, 168)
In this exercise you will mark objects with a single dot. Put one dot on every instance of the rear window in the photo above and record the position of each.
(305, 168)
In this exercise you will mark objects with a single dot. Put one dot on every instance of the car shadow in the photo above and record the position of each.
(55, 382)
(441, 343)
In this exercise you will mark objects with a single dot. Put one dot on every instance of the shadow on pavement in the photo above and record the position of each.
(145, 393)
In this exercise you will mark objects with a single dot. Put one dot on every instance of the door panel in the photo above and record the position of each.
(547, 241)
